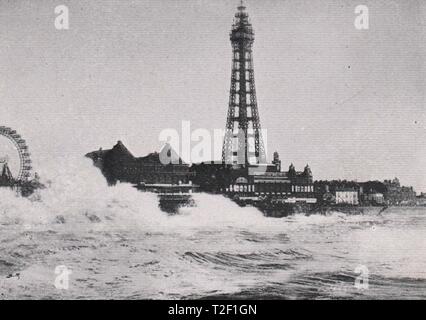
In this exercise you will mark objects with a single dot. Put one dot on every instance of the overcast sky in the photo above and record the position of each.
(349, 102)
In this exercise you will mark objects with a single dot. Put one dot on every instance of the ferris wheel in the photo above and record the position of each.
(22, 150)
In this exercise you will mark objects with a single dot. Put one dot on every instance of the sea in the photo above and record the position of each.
(81, 239)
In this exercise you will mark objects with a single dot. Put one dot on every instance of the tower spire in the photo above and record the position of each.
(241, 7)
(243, 142)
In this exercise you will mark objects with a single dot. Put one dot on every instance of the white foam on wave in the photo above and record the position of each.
(75, 191)
(77, 194)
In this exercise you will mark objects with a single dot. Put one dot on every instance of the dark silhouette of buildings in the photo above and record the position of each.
(119, 165)
(388, 192)
(397, 194)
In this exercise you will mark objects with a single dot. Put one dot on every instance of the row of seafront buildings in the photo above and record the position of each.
(387, 192)
(247, 182)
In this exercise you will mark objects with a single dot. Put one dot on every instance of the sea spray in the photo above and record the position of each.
(119, 244)
(77, 193)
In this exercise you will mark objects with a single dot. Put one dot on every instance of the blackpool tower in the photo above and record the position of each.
(243, 142)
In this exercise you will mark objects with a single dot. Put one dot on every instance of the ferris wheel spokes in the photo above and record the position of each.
(22, 150)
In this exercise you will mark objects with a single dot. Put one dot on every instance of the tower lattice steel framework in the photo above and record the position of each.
(243, 143)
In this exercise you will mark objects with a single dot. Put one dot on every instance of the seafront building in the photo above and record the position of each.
(120, 165)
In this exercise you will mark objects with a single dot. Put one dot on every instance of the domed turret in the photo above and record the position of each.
(277, 161)
(291, 171)
(307, 171)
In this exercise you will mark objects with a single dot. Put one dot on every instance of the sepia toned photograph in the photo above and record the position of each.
(212, 150)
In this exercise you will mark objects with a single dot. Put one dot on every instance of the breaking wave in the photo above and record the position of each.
(77, 193)
(121, 245)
